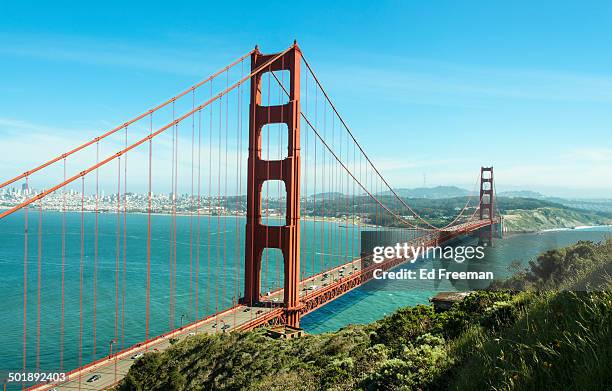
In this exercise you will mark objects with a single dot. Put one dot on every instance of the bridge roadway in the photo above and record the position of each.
(315, 291)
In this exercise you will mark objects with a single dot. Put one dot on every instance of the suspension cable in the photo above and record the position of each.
(124, 125)
(363, 152)
(141, 141)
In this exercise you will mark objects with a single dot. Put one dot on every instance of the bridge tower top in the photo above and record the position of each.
(486, 193)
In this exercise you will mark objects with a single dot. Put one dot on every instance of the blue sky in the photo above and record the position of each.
(451, 85)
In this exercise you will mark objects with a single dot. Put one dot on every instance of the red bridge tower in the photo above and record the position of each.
(259, 236)
(486, 202)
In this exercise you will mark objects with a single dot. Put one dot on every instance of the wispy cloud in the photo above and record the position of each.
(389, 165)
(27, 145)
(439, 83)
(595, 155)
(110, 53)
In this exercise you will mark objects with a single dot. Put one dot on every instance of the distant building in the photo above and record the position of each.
(443, 301)
(285, 332)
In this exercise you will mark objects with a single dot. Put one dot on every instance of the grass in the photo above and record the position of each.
(561, 341)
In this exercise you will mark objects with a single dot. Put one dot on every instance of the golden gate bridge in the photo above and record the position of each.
(311, 192)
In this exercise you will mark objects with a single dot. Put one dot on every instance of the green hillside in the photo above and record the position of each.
(521, 220)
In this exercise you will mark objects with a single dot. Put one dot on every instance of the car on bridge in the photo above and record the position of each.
(93, 378)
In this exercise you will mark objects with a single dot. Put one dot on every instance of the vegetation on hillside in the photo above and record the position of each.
(555, 333)
(521, 220)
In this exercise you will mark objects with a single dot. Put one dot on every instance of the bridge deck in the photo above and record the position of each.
(318, 289)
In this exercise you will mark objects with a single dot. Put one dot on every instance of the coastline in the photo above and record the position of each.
(559, 229)
(344, 221)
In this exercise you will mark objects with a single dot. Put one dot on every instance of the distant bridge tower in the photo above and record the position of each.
(286, 237)
(486, 193)
(486, 203)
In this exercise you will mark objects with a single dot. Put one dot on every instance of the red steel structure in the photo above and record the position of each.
(286, 237)
(326, 174)
(486, 193)
(487, 211)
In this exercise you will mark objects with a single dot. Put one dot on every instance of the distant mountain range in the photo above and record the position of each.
(521, 193)
(431, 192)
(329, 194)
(442, 192)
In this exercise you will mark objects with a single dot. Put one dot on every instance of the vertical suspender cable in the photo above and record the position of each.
(305, 170)
(117, 248)
(125, 195)
(191, 205)
(237, 192)
(81, 267)
(175, 222)
(198, 227)
(280, 263)
(218, 240)
(25, 282)
(224, 295)
(210, 142)
(172, 223)
(95, 262)
(39, 275)
(332, 205)
(63, 256)
(149, 198)
(267, 275)
(315, 243)
(353, 255)
(323, 196)
(336, 188)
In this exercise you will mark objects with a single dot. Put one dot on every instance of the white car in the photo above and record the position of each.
(137, 356)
